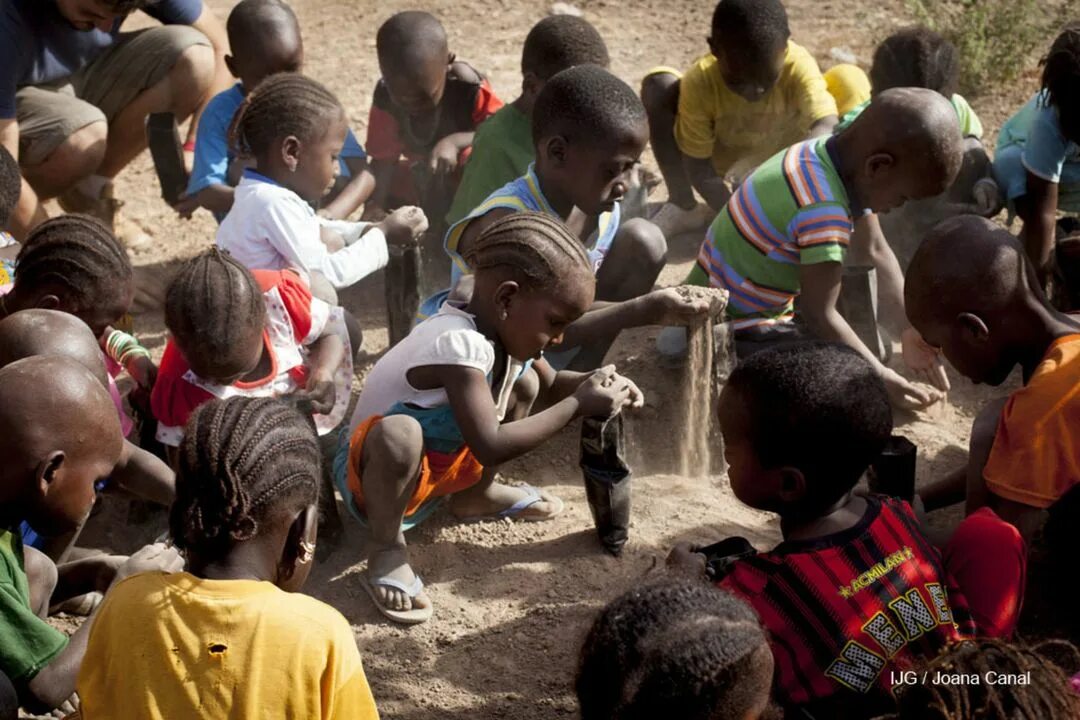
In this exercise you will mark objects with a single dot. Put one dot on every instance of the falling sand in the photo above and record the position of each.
(699, 388)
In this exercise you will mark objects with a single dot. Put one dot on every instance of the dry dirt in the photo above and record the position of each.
(513, 600)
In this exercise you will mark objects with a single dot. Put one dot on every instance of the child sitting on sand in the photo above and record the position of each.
(428, 423)
(755, 93)
(855, 590)
(589, 130)
(232, 636)
(258, 334)
(50, 466)
(675, 649)
(264, 38)
(971, 291)
(503, 147)
(294, 128)
(1037, 162)
(786, 230)
(424, 113)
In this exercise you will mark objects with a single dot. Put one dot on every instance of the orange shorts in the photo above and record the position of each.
(440, 473)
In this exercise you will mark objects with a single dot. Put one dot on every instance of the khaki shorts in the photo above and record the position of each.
(97, 92)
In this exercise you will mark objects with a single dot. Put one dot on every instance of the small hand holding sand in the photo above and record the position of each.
(404, 226)
(906, 395)
(683, 304)
(318, 396)
(605, 393)
(924, 359)
(444, 157)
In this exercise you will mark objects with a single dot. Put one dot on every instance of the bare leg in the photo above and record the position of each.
(629, 271)
(41, 575)
(966, 484)
(660, 95)
(389, 471)
(78, 157)
(180, 92)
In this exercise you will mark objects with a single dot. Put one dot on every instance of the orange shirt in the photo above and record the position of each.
(1036, 454)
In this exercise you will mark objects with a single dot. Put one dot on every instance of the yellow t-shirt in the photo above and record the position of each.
(168, 646)
(1035, 458)
(713, 122)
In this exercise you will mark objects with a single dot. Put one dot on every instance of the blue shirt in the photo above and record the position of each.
(212, 154)
(1036, 128)
(38, 45)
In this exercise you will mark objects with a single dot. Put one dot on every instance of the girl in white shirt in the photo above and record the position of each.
(293, 128)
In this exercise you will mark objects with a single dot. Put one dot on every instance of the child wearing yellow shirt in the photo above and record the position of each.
(232, 637)
(756, 93)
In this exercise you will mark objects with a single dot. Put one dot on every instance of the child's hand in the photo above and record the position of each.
(924, 359)
(332, 239)
(681, 305)
(152, 557)
(143, 371)
(404, 226)
(186, 206)
(604, 393)
(683, 560)
(373, 213)
(318, 397)
(444, 157)
(905, 395)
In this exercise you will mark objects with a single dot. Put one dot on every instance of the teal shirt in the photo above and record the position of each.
(501, 152)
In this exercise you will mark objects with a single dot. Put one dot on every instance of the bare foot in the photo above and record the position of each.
(404, 225)
(392, 561)
(489, 501)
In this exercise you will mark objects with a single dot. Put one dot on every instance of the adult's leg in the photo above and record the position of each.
(660, 95)
(637, 256)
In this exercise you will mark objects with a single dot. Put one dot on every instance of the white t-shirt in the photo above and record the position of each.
(271, 228)
(448, 337)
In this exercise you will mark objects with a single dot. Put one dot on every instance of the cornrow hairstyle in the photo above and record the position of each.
(212, 306)
(282, 105)
(916, 57)
(587, 104)
(78, 258)
(559, 42)
(243, 462)
(1045, 694)
(756, 26)
(676, 649)
(1061, 79)
(814, 395)
(538, 249)
(10, 186)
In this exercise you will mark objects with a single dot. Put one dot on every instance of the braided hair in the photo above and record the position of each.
(1046, 695)
(916, 57)
(538, 249)
(673, 649)
(78, 258)
(213, 308)
(10, 186)
(243, 463)
(281, 105)
(1061, 79)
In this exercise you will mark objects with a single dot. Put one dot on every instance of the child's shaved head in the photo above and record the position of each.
(559, 42)
(264, 37)
(587, 104)
(60, 434)
(905, 146)
(34, 332)
(960, 289)
(411, 38)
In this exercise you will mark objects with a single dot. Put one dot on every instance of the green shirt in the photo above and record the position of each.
(970, 125)
(501, 152)
(28, 643)
(793, 210)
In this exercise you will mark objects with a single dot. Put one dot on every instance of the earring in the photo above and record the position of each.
(307, 552)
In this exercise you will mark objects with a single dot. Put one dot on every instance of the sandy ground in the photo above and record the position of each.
(514, 600)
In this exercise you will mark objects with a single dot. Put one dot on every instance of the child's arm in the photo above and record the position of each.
(55, 682)
(445, 154)
(1038, 210)
(128, 353)
(709, 185)
(822, 126)
(360, 187)
(820, 284)
(144, 475)
(382, 172)
(603, 394)
(318, 396)
(216, 198)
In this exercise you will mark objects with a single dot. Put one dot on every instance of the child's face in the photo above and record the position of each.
(316, 163)
(754, 484)
(887, 181)
(966, 343)
(531, 320)
(86, 15)
(417, 90)
(744, 72)
(594, 178)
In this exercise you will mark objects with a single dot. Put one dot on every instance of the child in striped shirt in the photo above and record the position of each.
(784, 233)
